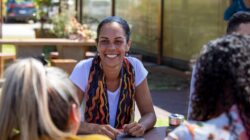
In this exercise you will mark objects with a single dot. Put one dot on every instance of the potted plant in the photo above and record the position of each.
(79, 31)
(43, 15)
(59, 24)
(65, 25)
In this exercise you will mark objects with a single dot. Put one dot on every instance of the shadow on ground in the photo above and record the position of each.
(169, 88)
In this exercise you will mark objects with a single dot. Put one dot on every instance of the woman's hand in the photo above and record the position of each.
(108, 131)
(134, 129)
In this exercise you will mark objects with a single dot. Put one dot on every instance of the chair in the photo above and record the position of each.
(3, 58)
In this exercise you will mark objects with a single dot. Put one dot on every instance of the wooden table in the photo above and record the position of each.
(67, 48)
(157, 133)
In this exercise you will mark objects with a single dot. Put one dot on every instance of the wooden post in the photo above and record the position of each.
(59, 8)
(113, 8)
(81, 11)
(76, 7)
(160, 34)
(1, 21)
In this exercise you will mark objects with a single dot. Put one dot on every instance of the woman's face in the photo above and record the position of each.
(112, 44)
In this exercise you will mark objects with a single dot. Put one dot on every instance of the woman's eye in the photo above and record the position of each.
(118, 42)
(104, 42)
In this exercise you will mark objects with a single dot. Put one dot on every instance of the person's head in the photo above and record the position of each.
(113, 40)
(123, 23)
(223, 79)
(63, 101)
(240, 23)
(24, 102)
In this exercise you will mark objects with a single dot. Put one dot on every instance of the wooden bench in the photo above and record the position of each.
(3, 58)
(70, 49)
(66, 64)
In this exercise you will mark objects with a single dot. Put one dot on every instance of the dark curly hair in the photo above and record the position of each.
(223, 79)
(236, 20)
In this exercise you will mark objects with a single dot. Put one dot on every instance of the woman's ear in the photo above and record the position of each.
(128, 45)
(74, 119)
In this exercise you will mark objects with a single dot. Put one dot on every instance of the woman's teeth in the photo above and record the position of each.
(111, 56)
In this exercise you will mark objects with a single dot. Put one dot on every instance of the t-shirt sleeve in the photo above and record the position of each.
(80, 73)
(140, 71)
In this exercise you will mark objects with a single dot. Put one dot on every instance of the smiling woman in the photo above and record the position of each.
(111, 83)
(112, 45)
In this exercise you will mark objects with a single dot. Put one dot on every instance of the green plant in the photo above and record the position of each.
(43, 12)
(65, 25)
(42, 6)
(60, 22)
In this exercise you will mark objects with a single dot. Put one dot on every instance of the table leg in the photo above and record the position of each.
(23, 51)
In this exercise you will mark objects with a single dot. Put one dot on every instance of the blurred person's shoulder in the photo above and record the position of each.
(90, 137)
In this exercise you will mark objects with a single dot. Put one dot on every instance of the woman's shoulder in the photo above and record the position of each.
(72, 137)
(135, 61)
(85, 61)
(79, 75)
(83, 64)
(89, 137)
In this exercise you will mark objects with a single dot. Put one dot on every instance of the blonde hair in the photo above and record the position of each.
(24, 102)
(62, 94)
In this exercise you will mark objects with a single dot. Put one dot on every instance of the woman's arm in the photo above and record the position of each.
(145, 106)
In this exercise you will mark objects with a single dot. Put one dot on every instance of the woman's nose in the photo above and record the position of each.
(112, 46)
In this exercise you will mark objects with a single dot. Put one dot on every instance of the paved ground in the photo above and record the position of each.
(171, 101)
(169, 90)
(20, 30)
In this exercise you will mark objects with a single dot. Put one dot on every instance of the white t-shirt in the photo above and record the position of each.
(80, 76)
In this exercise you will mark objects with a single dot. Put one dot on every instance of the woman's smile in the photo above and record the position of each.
(111, 55)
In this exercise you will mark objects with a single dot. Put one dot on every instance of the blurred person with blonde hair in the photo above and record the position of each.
(64, 104)
(24, 106)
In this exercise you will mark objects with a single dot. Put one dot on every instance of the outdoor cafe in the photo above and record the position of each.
(68, 50)
(74, 50)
